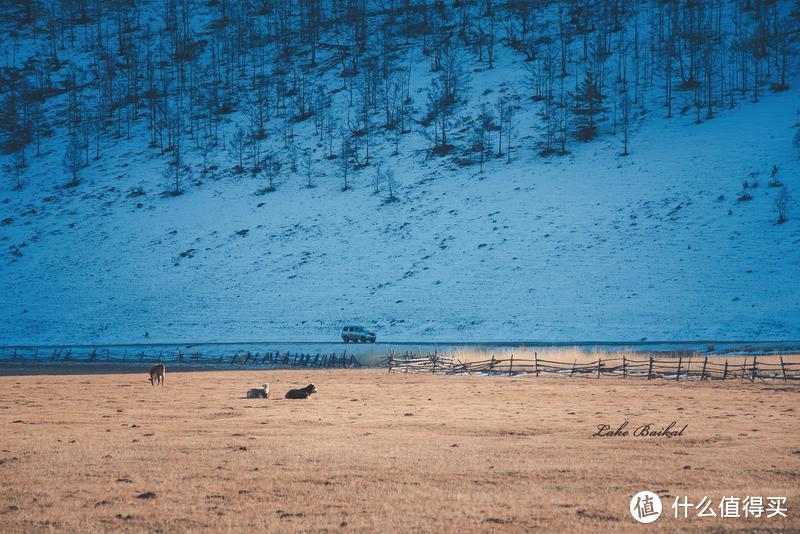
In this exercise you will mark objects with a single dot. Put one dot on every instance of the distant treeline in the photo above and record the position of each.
(172, 73)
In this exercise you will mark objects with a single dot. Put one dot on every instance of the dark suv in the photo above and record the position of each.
(356, 334)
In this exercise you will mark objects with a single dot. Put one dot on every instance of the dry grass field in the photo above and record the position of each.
(374, 451)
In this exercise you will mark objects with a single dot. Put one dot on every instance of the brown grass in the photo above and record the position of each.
(373, 451)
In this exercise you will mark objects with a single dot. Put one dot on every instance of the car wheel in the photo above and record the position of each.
(345, 339)
(372, 340)
(363, 339)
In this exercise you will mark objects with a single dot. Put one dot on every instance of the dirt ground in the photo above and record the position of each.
(373, 451)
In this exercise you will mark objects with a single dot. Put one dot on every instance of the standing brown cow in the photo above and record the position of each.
(157, 374)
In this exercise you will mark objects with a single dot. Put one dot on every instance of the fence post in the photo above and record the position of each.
(599, 364)
(650, 369)
(725, 372)
(783, 368)
(536, 363)
(678, 375)
(511, 365)
(573, 368)
(491, 366)
(391, 360)
(624, 367)
(755, 369)
(703, 374)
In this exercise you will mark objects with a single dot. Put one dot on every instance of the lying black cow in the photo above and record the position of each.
(302, 393)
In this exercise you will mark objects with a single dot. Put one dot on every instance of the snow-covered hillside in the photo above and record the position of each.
(586, 247)
(589, 245)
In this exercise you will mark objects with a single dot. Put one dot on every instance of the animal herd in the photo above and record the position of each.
(158, 371)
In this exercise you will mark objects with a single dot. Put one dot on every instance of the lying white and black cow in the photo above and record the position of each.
(259, 393)
(302, 393)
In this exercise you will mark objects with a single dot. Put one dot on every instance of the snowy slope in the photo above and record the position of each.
(586, 247)
(590, 246)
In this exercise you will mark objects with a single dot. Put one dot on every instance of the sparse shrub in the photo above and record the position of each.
(774, 182)
(782, 205)
(586, 133)
(442, 150)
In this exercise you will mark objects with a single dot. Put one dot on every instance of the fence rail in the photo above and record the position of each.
(683, 367)
(34, 355)
(675, 366)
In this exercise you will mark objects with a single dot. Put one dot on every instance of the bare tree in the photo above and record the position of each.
(480, 130)
(308, 167)
(238, 147)
(271, 167)
(72, 160)
(377, 179)
(17, 168)
(505, 111)
(391, 185)
(445, 95)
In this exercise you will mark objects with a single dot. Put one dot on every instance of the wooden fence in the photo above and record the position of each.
(677, 366)
(690, 366)
(34, 355)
